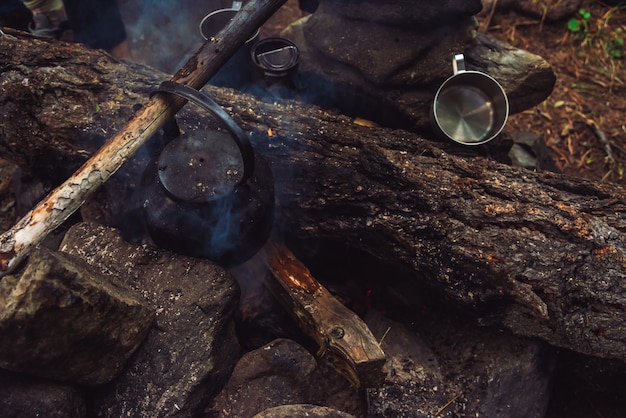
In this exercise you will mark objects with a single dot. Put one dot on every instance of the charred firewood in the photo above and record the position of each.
(340, 333)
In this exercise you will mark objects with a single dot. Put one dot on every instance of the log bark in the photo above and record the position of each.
(539, 253)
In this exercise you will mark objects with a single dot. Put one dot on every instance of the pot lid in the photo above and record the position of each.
(200, 167)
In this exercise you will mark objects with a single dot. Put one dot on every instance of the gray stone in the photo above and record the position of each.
(544, 9)
(389, 56)
(28, 396)
(531, 151)
(63, 320)
(527, 78)
(402, 12)
(282, 373)
(302, 410)
(191, 349)
(458, 368)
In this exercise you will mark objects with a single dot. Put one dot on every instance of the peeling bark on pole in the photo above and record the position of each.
(61, 203)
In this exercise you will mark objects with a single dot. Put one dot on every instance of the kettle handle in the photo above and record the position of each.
(201, 99)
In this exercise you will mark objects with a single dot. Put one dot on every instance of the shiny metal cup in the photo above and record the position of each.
(470, 107)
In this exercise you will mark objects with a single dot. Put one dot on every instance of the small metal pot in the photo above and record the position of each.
(209, 194)
(276, 58)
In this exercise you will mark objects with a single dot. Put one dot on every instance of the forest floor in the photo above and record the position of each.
(582, 121)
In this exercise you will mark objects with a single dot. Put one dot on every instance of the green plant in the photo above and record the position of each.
(595, 32)
(579, 24)
(615, 48)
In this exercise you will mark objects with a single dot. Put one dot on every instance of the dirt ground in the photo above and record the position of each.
(583, 119)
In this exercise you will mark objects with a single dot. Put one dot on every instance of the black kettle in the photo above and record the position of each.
(208, 193)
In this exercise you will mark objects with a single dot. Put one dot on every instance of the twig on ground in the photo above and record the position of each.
(447, 404)
(484, 25)
(599, 133)
(6, 34)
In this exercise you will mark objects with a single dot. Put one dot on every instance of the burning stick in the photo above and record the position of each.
(58, 206)
(340, 333)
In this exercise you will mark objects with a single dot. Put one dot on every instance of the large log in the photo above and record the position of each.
(540, 253)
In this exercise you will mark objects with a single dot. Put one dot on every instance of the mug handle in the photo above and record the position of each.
(201, 99)
(458, 63)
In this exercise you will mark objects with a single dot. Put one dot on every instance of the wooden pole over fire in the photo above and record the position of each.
(62, 202)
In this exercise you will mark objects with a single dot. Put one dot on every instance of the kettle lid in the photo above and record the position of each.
(200, 167)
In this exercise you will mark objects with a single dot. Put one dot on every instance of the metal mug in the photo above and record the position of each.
(470, 107)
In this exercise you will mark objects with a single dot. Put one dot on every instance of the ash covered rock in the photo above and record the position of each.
(451, 368)
(190, 351)
(27, 396)
(63, 320)
(302, 410)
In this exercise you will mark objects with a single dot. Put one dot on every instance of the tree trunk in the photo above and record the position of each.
(540, 253)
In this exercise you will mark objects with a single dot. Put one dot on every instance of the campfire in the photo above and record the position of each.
(390, 273)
